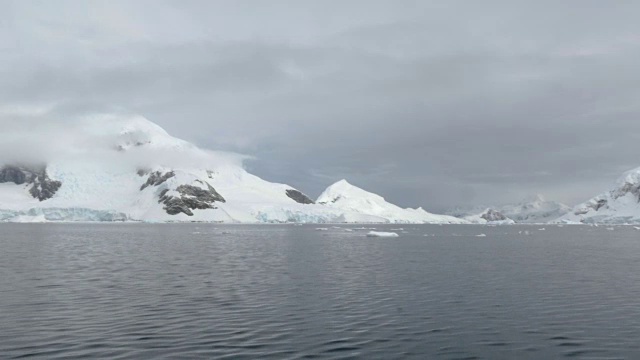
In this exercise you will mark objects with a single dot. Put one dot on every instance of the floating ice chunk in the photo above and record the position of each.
(637, 227)
(322, 229)
(542, 229)
(481, 235)
(381, 234)
(610, 229)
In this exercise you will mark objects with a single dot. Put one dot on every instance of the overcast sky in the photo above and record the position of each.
(428, 103)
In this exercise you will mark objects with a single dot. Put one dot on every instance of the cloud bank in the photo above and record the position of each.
(431, 103)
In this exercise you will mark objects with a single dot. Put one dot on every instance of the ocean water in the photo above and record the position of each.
(133, 291)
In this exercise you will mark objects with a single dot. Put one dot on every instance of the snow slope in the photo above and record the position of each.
(620, 205)
(535, 210)
(352, 199)
(130, 169)
(489, 216)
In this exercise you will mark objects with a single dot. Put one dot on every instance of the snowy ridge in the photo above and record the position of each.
(620, 205)
(489, 216)
(350, 198)
(130, 169)
(533, 210)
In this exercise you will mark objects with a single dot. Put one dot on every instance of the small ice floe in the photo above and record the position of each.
(226, 232)
(542, 229)
(348, 230)
(381, 234)
(560, 226)
(481, 235)
(398, 229)
(322, 229)
(360, 228)
(637, 227)
(610, 229)
(336, 227)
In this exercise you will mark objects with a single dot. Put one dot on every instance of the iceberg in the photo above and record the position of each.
(381, 234)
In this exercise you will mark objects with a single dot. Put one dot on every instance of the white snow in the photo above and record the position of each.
(479, 219)
(352, 199)
(532, 210)
(381, 234)
(620, 205)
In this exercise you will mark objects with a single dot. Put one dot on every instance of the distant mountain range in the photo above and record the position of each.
(533, 210)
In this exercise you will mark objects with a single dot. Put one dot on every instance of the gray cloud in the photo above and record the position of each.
(429, 103)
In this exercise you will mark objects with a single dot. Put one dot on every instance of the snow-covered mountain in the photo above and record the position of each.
(620, 205)
(489, 216)
(532, 210)
(129, 169)
(352, 199)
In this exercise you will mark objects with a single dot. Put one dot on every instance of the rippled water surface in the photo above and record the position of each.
(137, 291)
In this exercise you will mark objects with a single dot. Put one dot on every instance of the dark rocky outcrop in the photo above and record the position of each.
(156, 178)
(299, 197)
(592, 205)
(42, 187)
(190, 198)
(493, 215)
(634, 189)
(15, 175)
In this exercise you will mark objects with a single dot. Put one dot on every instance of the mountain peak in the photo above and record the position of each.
(344, 190)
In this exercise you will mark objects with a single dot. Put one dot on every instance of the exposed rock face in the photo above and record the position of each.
(594, 204)
(299, 197)
(15, 175)
(42, 188)
(190, 198)
(157, 178)
(625, 189)
(492, 215)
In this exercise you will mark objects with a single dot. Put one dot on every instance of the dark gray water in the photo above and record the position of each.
(288, 292)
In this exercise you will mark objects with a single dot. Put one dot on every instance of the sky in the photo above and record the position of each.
(436, 104)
